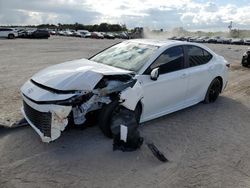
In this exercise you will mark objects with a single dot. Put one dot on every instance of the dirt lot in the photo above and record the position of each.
(207, 145)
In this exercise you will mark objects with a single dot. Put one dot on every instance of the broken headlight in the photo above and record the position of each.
(76, 100)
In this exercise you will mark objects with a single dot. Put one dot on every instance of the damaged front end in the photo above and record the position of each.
(50, 110)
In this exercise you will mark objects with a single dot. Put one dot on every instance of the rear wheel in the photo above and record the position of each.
(213, 91)
(11, 36)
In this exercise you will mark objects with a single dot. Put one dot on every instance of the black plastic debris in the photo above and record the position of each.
(159, 155)
(124, 127)
(19, 123)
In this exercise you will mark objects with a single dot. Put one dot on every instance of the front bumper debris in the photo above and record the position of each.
(47, 120)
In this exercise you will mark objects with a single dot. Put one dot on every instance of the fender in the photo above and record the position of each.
(131, 96)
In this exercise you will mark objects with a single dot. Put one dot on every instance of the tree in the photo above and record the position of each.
(104, 27)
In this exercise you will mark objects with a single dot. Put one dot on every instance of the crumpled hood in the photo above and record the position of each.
(81, 74)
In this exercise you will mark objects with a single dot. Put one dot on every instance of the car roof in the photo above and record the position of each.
(156, 42)
(169, 43)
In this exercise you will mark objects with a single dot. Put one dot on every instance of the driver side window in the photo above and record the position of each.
(169, 61)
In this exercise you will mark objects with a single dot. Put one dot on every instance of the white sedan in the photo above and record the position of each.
(150, 78)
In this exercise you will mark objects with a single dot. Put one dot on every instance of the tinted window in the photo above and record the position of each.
(197, 56)
(170, 60)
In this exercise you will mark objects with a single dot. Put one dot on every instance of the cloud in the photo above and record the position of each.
(211, 15)
(38, 12)
(191, 14)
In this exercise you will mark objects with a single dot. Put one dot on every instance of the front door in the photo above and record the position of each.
(168, 92)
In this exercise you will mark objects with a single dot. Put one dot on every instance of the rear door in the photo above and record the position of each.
(199, 68)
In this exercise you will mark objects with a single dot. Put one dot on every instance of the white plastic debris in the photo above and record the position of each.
(123, 132)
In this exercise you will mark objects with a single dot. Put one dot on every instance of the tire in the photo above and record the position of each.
(11, 36)
(106, 113)
(244, 65)
(213, 91)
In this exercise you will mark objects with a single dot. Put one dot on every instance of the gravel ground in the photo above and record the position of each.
(207, 145)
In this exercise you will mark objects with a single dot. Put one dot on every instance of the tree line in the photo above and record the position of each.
(103, 27)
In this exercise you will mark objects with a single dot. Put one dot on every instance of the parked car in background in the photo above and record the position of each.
(35, 34)
(212, 40)
(97, 35)
(219, 40)
(21, 32)
(52, 32)
(172, 38)
(247, 41)
(201, 39)
(40, 34)
(237, 41)
(60, 33)
(227, 41)
(193, 39)
(123, 35)
(145, 78)
(75, 33)
(181, 38)
(9, 33)
(246, 58)
(68, 33)
(108, 36)
(85, 33)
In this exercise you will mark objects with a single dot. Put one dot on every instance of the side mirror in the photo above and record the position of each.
(154, 74)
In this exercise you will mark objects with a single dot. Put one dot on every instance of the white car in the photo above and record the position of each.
(8, 33)
(85, 34)
(148, 77)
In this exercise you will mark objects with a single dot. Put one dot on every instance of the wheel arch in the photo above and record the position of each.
(221, 81)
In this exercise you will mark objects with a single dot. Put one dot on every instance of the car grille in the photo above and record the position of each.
(41, 120)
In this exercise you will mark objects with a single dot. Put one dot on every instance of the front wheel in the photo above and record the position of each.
(11, 36)
(244, 64)
(213, 91)
(111, 113)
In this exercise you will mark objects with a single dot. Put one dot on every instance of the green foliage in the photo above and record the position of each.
(103, 27)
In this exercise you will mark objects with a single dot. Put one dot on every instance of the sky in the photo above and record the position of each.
(155, 14)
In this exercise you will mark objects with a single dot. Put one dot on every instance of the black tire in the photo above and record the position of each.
(244, 65)
(213, 91)
(106, 113)
(11, 36)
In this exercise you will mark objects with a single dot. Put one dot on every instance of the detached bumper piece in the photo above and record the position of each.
(41, 120)
(48, 120)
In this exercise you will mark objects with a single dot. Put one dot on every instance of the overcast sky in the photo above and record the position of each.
(155, 14)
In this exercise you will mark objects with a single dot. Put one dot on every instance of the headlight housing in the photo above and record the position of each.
(76, 100)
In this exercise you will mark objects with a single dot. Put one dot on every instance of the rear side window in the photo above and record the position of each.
(197, 56)
(169, 61)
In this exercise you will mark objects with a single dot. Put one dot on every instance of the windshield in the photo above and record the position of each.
(126, 55)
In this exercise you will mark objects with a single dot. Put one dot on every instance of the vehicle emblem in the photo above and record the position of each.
(30, 90)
